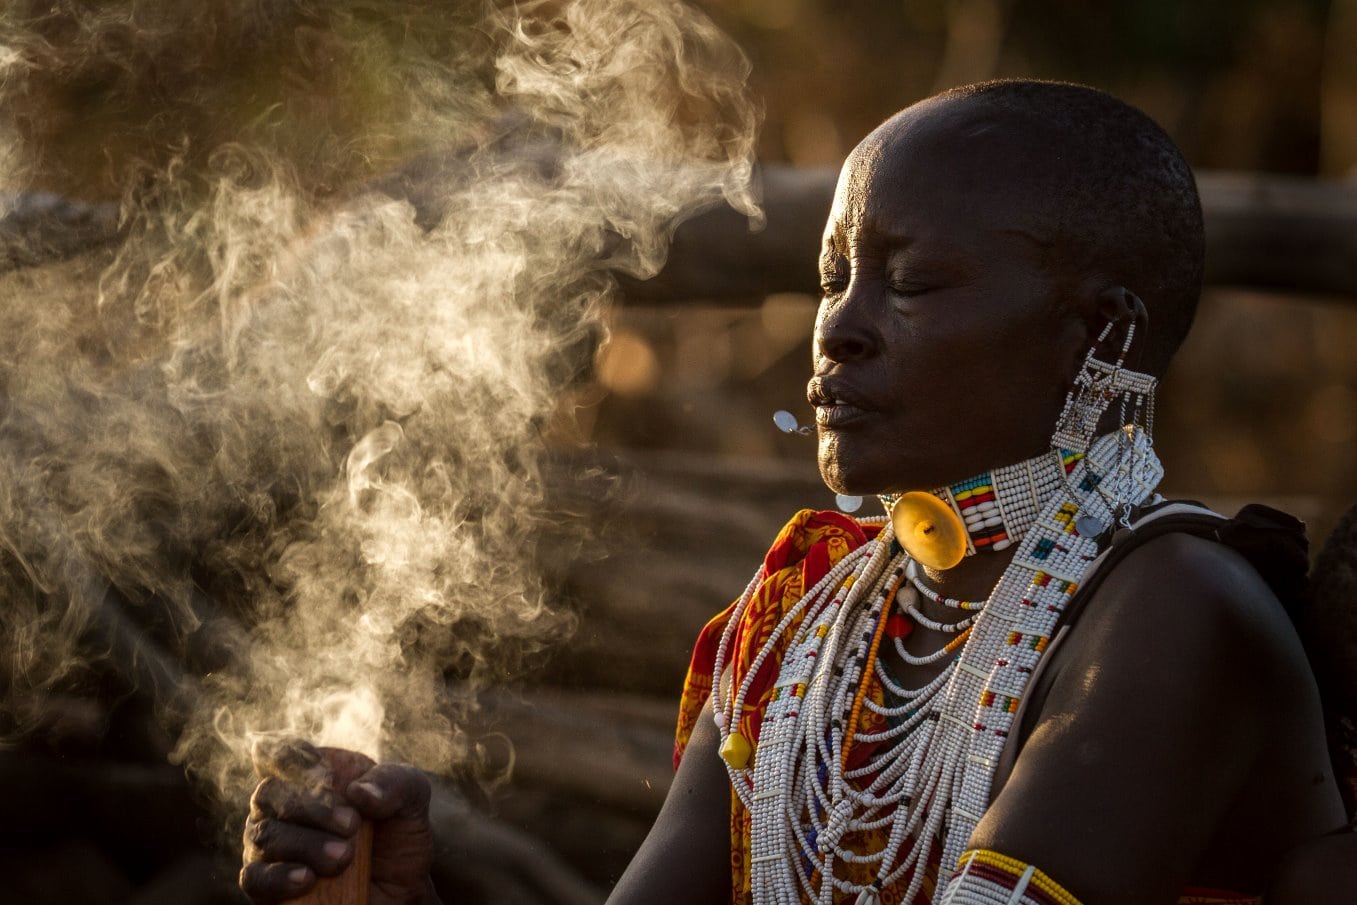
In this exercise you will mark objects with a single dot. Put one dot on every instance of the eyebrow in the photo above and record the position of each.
(898, 240)
(1045, 243)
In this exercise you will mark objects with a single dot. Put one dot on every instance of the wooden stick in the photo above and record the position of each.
(350, 887)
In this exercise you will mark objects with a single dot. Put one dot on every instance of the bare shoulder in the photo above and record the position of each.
(1186, 593)
(1167, 701)
(1188, 637)
(1184, 626)
(1182, 647)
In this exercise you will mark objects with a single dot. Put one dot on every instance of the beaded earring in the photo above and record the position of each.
(1097, 385)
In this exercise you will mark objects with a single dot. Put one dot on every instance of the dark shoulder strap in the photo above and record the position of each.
(1272, 541)
(1183, 516)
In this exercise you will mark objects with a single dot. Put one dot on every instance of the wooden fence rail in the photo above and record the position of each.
(1265, 232)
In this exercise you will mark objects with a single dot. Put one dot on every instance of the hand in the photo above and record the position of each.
(300, 827)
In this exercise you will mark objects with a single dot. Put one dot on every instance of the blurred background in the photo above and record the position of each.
(1261, 403)
(1261, 400)
(692, 479)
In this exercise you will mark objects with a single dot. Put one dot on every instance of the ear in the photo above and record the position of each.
(1130, 332)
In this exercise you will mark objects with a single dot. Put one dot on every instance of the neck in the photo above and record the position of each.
(999, 505)
(996, 508)
(971, 579)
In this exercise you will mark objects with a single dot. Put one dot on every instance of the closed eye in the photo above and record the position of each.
(909, 289)
(834, 275)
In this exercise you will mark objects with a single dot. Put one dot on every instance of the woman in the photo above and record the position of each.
(907, 710)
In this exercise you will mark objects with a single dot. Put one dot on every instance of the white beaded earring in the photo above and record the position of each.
(1097, 385)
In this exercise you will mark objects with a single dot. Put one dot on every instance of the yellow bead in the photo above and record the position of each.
(929, 530)
(736, 751)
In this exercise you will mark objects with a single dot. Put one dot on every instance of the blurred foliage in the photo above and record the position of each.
(1237, 82)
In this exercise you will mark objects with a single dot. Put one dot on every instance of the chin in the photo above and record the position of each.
(869, 469)
(845, 473)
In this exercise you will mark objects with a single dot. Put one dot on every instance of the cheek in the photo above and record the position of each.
(1023, 388)
(1013, 390)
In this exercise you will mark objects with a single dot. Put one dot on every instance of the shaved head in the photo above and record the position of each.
(1109, 192)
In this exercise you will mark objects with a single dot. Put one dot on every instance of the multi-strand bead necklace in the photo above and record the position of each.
(925, 780)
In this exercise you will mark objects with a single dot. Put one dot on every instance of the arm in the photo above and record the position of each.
(1322, 870)
(686, 856)
(1166, 695)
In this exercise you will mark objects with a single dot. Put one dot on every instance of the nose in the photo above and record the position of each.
(845, 331)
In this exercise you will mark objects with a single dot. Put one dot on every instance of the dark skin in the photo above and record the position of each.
(298, 829)
(1179, 739)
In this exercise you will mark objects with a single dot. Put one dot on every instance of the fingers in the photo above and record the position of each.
(345, 766)
(299, 827)
(291, 836)
(390, 790)
(322, 810)
(275, 842)
(288, 758)
(269, 883)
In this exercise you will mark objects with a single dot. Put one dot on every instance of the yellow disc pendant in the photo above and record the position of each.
(736, 751)
(929, 530)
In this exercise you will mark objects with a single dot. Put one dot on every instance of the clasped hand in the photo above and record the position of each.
(304, 820)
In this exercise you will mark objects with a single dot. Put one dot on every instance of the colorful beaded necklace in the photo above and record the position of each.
(998, 506)
(926, 781)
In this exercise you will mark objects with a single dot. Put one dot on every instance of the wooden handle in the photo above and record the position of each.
(350, 887)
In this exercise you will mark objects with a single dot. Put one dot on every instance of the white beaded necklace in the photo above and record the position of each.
(929, 776)
(912, 573)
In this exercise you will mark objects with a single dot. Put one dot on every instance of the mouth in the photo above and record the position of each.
(837, 406)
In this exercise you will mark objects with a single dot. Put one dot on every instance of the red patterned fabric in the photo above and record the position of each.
(805, 550)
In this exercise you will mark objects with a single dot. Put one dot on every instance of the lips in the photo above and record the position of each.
(837, 405)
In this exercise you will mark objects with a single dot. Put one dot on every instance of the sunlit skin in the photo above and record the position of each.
(942, 345)
(1177, 740)
(942, 329)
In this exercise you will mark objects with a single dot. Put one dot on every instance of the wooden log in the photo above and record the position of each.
(478, 858)
(1278, 232)
(682, 541)
(1262, 231)
(610, 746)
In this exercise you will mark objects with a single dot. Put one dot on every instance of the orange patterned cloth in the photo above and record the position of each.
(805, 550)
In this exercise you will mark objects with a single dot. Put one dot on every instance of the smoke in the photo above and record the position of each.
(280, 452)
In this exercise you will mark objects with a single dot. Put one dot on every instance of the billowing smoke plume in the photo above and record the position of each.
(279, 450)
